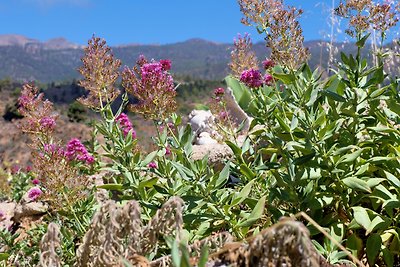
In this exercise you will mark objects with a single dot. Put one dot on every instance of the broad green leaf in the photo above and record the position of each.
(376, 224)
(361, 217)
(282, 123)
(243, 194)
(356, 183)
(334, 96)
(373, 247)
(149, 158)
(303, 159)
(246, 171)
(361, 43)
(355, 244)
(203, 256)
(149, 182)
(393, 179)
(350, 157)
(4, 256)
(223, 176)
(117, 187)
(285, 78)
(388, 257)
(256, 213)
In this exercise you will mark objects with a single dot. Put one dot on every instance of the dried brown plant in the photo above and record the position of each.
(365, 15)
(286, 243)
(56, 173)
(100, 71)
(242, 56)
(48, 247)
(39, 117)
(284, 35)
(117, 233)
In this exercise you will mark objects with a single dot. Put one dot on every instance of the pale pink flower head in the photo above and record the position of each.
(34, 193)
(47, 123)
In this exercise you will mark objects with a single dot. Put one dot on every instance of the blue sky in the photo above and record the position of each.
(142, 21)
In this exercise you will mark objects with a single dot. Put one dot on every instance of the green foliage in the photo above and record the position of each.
(330, 148)
(76, 112)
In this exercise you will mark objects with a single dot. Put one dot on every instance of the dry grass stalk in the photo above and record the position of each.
(48, 246)
(117, 232)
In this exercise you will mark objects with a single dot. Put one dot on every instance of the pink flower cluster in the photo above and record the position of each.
(252, 78)
(47, 123)
(125, 124)
(218, 92)
(76, 151)
(34, 193)
(166, 64)
(152, 86)
(153, 74)
(268, 63)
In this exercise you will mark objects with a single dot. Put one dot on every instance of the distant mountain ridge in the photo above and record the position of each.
(25, 59)
(23, 41)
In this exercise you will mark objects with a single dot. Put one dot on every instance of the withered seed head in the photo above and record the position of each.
(100, 71)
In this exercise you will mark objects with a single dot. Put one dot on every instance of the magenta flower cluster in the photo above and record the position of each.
(268, 63)
(218, 92)
(166, 64)
(153, 74)
(34, 193)
(125, 124)
(152, 165)
(252, 78)
(76, 151)
(268, 79)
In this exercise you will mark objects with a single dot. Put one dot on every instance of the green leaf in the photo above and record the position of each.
(304, 159)
(223, 176)
(388, 257)
(285, 78)
(361, 217)
(393, 179)
(373, 247)
(4, 256)
(282, 123)
(356, 183)
(175, 255)
(355, 244)
(148, 183)
(256, 213)
(334, 96)
(203, 257)
(117, 187)
(243, 194)
(349, 158)
(376, 224)
(360, 43)
(246, 171)
(149, 158)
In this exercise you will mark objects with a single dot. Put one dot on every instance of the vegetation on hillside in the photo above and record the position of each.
(320, 160)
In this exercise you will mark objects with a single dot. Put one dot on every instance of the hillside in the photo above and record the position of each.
(22, 58)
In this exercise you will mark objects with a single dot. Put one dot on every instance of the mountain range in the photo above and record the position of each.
(25, 59)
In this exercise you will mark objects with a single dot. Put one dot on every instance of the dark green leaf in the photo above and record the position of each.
(373, 247)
